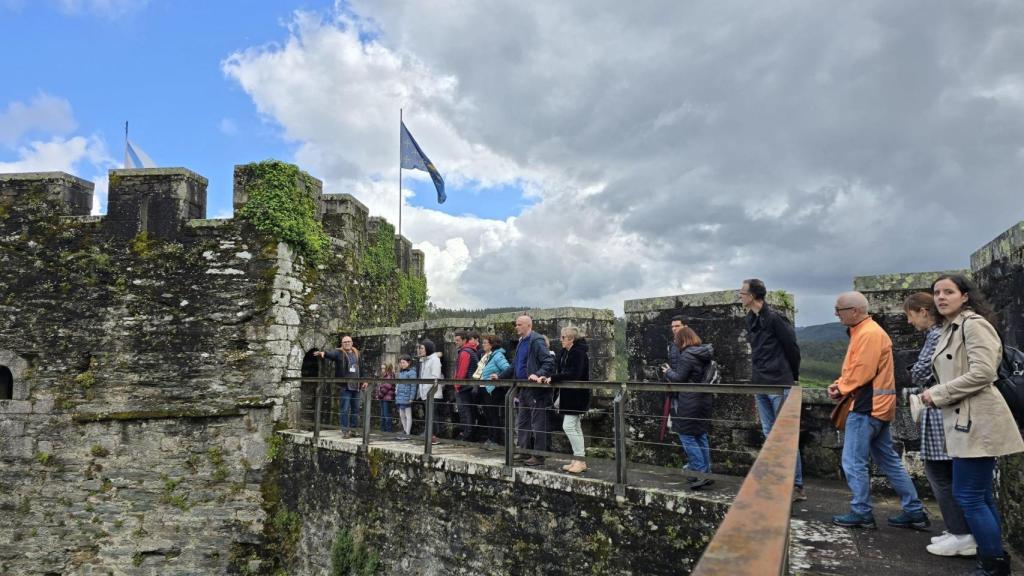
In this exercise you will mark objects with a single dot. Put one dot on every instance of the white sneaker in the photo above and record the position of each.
(955, 546)
(940, 537)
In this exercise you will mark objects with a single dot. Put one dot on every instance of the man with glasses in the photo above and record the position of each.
(775, 359)
(346, 365)
(867, 386)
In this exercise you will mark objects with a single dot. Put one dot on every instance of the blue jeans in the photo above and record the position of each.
(698, 452)
(385, 415)
(972, 488)
(768, 407)
(869, 436)
(348, 414)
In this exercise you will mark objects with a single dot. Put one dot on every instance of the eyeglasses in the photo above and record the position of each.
(838, 310)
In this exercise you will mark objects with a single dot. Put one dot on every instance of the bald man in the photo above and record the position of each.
(867, 389)
(532, 361)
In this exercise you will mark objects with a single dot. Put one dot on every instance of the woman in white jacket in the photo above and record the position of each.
(430, 369)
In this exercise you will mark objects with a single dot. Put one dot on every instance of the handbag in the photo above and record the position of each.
(916, 407)
(841, 411)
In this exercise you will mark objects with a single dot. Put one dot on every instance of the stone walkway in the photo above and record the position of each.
(817, 547)
(821, 548)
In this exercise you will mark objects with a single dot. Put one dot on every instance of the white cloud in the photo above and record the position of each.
(669, 147)
(44, 113)
(58, 155)
(72, 154)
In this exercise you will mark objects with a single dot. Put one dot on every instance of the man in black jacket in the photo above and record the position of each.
(775, 356)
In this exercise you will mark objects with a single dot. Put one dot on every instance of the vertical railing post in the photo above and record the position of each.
(367, 412)
(316, 411)
(510, 428)
(428, 432)
(621, 459)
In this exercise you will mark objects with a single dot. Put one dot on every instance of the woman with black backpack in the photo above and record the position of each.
(978, 423)
(691, 411)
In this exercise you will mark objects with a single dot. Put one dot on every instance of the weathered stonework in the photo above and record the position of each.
(464, 516)
(148, 352)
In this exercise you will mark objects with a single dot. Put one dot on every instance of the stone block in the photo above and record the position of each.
(157, 201)
(66, 194)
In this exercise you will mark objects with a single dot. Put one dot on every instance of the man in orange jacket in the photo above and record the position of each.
(867, 389)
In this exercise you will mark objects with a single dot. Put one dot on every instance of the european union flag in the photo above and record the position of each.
(413, 158)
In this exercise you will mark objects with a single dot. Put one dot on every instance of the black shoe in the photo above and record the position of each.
(992, 565)
(534, 461)
(918, 521)
(699, 483)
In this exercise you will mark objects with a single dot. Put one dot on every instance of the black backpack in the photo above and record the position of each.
(1010, 382)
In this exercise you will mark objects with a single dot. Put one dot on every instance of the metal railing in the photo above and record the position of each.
(753, 539)
(324, 388)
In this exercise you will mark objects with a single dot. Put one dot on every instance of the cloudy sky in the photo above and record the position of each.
(593, 151)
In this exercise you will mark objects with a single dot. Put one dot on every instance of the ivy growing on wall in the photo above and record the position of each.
(278, 206)
(380, 266)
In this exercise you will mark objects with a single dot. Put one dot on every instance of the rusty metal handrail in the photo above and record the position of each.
(753, 540)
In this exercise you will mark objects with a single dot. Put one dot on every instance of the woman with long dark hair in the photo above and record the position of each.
(978, 424)
(938, 465)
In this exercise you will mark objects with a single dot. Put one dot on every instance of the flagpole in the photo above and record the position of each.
(126, 143)
(400, 121)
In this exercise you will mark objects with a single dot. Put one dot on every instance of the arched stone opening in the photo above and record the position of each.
(6, 383)
(311, 368)
(13, 367)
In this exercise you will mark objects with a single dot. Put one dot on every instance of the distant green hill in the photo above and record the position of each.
(822, 348)
(433, 312)
(821, 333)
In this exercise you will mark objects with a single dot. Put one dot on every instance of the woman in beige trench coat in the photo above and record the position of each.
(978, 424)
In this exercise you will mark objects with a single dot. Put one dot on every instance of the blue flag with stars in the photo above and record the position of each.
(413, 158)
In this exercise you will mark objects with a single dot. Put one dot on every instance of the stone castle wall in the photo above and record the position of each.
(461, 517)
(146, 352)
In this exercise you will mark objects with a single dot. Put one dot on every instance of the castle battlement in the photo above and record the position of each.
(161, 202)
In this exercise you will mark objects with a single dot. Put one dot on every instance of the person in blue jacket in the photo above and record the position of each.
(405, 394)
(493, 363)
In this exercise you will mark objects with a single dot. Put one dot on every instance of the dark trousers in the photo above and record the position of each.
(468, 398)
(940, 476)
(532, 420)
(494, 409)
(972, 488)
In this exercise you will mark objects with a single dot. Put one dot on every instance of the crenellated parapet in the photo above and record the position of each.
(160, 202)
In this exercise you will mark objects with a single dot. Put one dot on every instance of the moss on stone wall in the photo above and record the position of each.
(279, 206)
